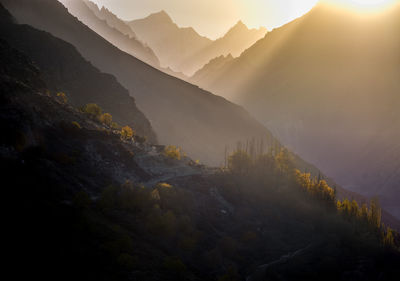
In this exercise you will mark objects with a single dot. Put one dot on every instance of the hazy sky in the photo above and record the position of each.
(213, 18)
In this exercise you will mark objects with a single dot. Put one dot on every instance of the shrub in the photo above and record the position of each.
(76, 125)
(93, 110)
(127, 133)
(106, 119)
(172, 152)
(62, 97)
(164, 185)
(115, 126)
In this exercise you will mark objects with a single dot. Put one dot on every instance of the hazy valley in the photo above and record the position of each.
(125, 157)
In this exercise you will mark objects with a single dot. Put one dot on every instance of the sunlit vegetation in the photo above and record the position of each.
(276, 168)
(316, 187)
(93, 110)
(106, 119)
(115, 126)
(76, 125)
(62, 97)
(172, 152)
(127, 133)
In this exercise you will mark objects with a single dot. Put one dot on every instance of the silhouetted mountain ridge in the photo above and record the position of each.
(183, 49)
(110, 29)
(111, 19)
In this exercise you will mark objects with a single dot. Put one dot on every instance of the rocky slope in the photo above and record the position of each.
(65, 70)
(327, 85)
(180, 113)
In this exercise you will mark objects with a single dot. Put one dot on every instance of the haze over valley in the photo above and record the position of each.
(196, 140)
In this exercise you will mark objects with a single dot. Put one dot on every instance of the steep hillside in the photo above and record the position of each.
(110, 30)
(211, 69)
(172, 44)
(180, 113)
(234, 42)
(65, 70)
(90, 205)
(327, 85)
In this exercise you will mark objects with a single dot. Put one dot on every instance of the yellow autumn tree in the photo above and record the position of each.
(173, 152)
(93, 110)
(127, 133)
(62, 97)
(106, 119)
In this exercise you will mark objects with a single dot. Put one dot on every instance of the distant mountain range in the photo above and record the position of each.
(183, 49)
(180, 51)
(180, 113)
(327, 85)
(108, 26)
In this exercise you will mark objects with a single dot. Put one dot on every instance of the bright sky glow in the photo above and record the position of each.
(365, 5)
(212, 18)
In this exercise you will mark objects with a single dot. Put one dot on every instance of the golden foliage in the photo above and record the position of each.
(164, 185)
(93, 110)
(172, 152)
(106, 119)
(127, 133)
(319, 189)
(76, 125)
(62, 97)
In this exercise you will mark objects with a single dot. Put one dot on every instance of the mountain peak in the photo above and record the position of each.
(161, 16)
(239, 25)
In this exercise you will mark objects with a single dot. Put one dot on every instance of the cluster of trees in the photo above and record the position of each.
(318, 188)
(277, 160)
(96, 112)
(369, 216)
(255, 163)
